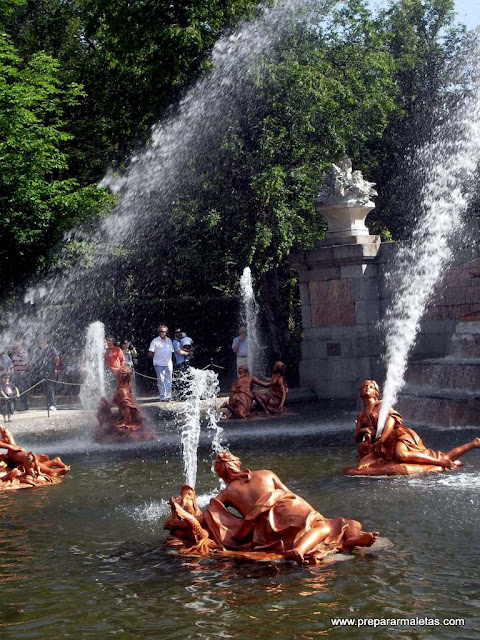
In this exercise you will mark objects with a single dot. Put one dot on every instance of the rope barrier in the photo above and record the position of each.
(137, 373)
(32, 387)
(71, 384)
(144, 376)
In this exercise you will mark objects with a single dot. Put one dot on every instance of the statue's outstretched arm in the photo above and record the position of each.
(261, 383)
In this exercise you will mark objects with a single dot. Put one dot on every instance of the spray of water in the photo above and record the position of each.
(200, 388)
(154, 176)
(93, 367)
(449, 163)
(250, 317)
(159, 174)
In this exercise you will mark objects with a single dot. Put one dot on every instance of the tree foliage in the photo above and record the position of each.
(83, 80)
(37, 201)
(132, 57)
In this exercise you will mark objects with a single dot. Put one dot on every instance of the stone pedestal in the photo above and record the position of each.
(340, 310)
(346, 224)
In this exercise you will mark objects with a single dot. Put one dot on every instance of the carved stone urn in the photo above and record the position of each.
(345, 201)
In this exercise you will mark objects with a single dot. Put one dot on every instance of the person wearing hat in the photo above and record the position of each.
(8, 393)
(183, 353)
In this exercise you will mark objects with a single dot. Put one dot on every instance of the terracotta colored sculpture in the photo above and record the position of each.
(126, 423)
(399, 450)
(274, 520)
(242, 396)
(20, 469)
(274, 401)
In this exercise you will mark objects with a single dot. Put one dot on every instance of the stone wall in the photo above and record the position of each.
(343, 297)
(340, 310)
(457, 295)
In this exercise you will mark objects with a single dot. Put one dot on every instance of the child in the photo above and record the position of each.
(186, 344)
(8, 393)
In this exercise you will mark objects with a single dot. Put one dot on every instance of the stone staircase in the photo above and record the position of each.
(446, 391)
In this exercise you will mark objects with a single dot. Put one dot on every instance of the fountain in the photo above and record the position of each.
(445, 390)
(399, 450)
(200, 388)
(93, 367)
(127, 423)
(449, 163)
(109, 557)
(250, 318)
(275, 523)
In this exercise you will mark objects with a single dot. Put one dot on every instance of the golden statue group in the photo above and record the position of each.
(244, 398)
(274, 522)
(277, 523)
(20, 469)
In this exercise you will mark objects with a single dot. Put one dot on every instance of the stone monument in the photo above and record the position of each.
(339, 290)
(345, 201)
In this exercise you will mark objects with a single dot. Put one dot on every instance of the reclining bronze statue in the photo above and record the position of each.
(21, 469)
(399, 450)
(274, 522)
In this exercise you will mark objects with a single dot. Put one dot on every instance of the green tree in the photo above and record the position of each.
(431, 70)
(323, 93)
(132, 57)
(38, 204)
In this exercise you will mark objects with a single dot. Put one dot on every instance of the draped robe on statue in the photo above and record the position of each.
(385, 462)
(279, 518)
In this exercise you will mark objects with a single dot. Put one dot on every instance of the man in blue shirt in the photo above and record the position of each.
(240, 346)
(182, 358)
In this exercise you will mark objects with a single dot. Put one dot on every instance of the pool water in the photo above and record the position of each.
(85, 558)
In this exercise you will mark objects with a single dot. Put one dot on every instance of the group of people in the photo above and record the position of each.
(161, 350)
(17, 372)
(171, 358)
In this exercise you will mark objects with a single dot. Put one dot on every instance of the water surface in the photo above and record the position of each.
(85, 559)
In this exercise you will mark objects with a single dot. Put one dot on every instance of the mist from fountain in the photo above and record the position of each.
(200, 389)
(93, 367)
(449, 163)
(155, 177)
(250, 318)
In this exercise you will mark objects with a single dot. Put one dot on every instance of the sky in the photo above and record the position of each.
(468, 11)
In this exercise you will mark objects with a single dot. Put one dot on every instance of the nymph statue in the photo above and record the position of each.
(273, 520)
(126, 423)
(399, 450)
(21, 469)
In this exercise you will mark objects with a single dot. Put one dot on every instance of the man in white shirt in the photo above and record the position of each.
(160, 351)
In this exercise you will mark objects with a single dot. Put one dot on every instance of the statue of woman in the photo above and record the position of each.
(26, 467)
(273, 519)
(274, 401)
(241, 396)
(128, 414)
(397, 443)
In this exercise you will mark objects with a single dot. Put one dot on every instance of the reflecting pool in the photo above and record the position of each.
(85, 559)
